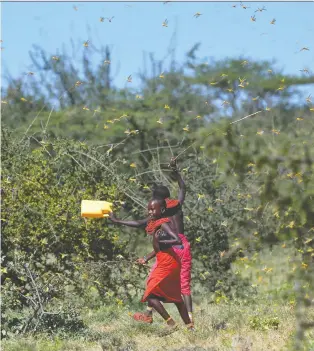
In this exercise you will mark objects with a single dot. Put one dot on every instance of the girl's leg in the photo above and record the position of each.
(158, 307)
(183, 312)
(149, 310)
(188, 303)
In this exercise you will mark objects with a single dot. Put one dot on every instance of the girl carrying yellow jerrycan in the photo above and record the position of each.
(95, 209)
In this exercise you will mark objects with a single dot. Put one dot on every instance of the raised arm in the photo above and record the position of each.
(134, 224)
(175, 241)
(182, 187)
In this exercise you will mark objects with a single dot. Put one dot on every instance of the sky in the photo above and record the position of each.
(223, 31)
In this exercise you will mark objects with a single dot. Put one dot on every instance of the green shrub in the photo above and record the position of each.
(50, 253)
(264, 323)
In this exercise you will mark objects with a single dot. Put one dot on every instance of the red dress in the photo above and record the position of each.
(184, 254)
(164, 281)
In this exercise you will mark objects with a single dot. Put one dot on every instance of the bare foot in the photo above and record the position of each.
(190, 327)
(148, 313)
(171, 328)
(171, 323)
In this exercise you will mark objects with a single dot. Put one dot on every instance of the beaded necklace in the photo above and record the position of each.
(153, 224)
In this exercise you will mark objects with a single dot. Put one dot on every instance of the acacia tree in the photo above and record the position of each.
(242, 85)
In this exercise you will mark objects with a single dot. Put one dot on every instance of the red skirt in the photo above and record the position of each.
(164, 281)
(185, 258)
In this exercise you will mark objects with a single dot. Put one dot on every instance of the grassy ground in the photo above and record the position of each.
(235, 326)
(262, 323)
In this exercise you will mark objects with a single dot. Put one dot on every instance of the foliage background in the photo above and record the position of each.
(69, 135)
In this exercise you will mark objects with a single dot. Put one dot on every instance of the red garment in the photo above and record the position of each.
(170, 203)
(164, 281)
(185, 257)
(153, 224)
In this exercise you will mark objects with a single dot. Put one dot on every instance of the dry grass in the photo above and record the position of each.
(266, 322)
(234, 326)
(218, 327)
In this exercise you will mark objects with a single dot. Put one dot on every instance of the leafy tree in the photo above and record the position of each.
(282, 171)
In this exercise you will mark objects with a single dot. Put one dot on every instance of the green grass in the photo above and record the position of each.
(262, 322)
(259, 325)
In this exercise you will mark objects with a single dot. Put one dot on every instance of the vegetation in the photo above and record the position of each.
(68, 134)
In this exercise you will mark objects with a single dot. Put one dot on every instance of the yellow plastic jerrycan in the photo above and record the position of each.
(95, 209)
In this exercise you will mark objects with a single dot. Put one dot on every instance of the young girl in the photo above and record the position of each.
(175, 214)
(164, 282)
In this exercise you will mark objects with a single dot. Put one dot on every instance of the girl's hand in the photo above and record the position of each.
(112, 217)
(173, 164)
(141, 261)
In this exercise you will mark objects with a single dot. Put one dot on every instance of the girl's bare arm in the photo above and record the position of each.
(134, 224)
(175, 241)
(150, 256)
(182, 187)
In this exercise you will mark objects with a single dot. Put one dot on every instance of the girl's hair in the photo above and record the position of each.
(173, 211)
(161, 192)
(161, 202)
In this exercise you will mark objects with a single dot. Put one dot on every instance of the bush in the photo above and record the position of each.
(49, 252)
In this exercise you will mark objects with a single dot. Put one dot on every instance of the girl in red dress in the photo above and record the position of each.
(163, 284)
